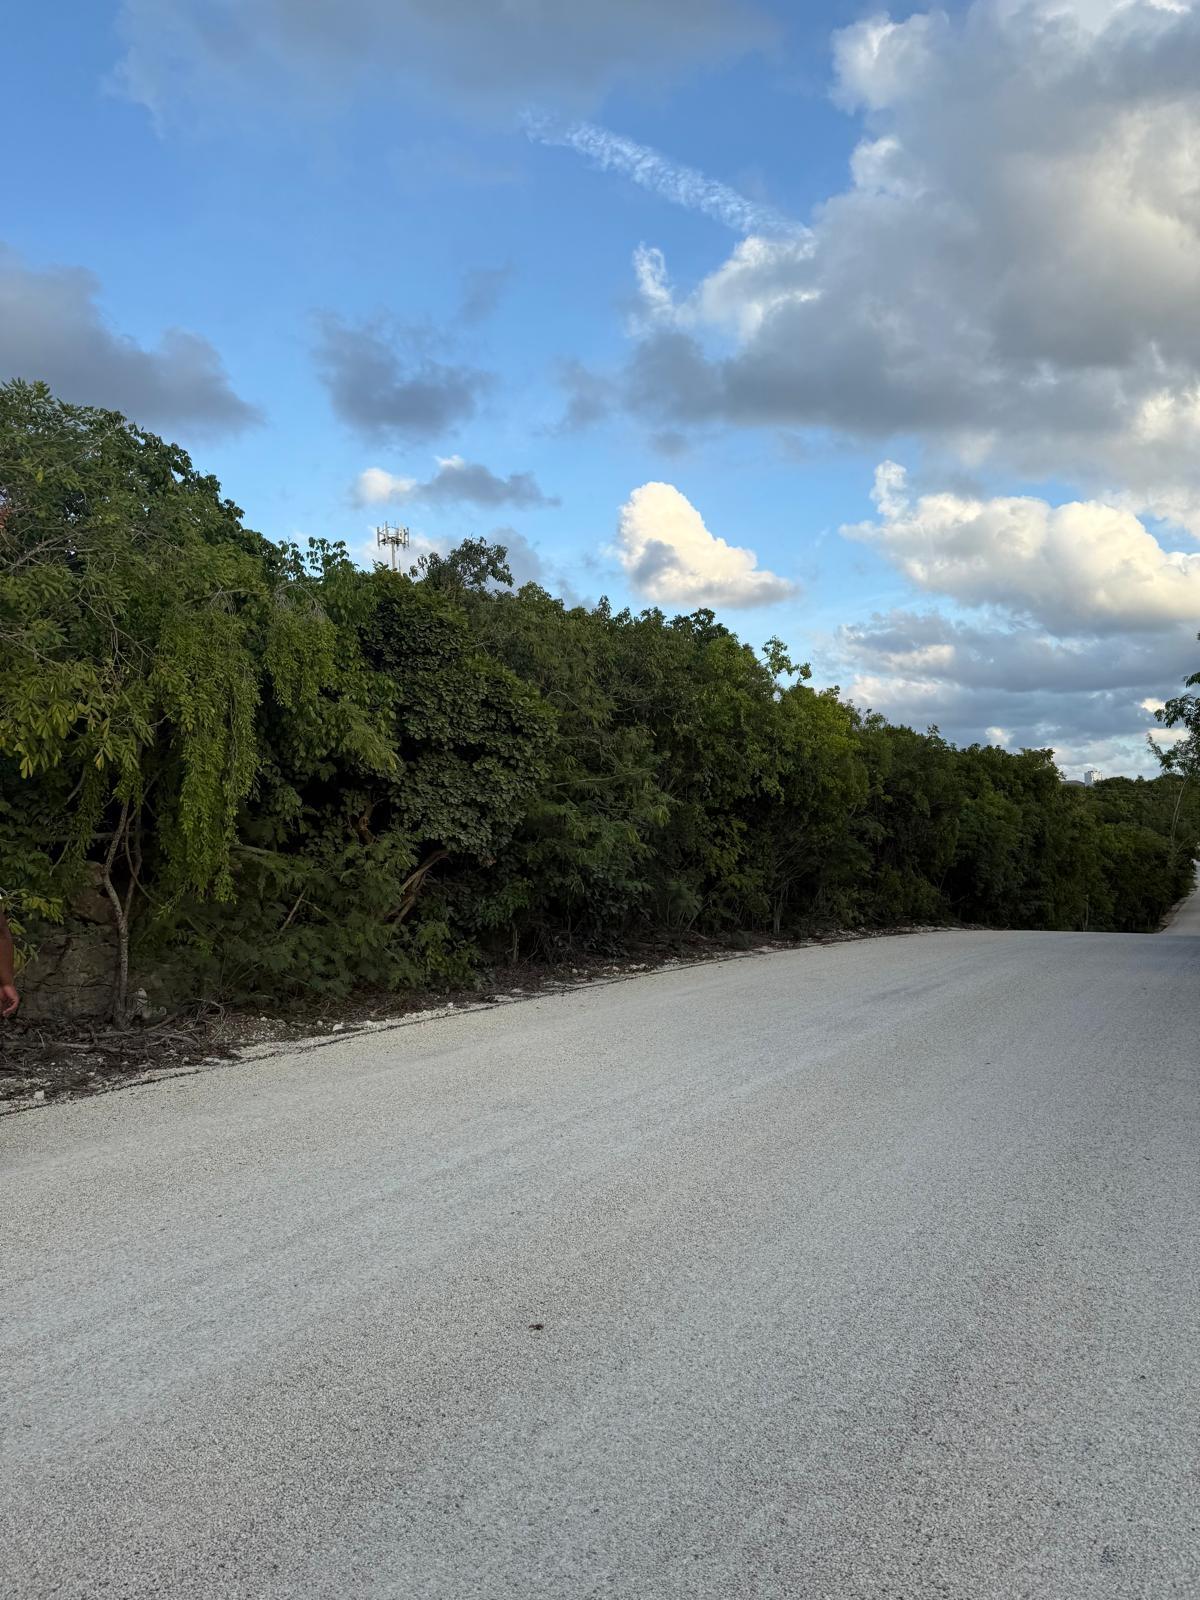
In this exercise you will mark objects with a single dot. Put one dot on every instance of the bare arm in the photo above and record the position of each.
(9, 998)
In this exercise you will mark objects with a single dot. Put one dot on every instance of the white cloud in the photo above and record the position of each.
(655, 296)
(880, 63)
(1081, 620)
(995, 655)
(673, 559)
(456, 481)
(672, 181)
(1013, 273)
(1089, 728)
(1077, 567)
(1090, 698)
(755, 282)
(375, 487)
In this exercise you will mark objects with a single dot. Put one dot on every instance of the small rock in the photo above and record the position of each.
(39, 1094)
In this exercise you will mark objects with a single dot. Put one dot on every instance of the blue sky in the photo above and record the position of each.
(393, 236)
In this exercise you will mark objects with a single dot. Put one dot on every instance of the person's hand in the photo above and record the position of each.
(9, 1000)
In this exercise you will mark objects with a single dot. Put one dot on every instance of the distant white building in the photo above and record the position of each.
(1092, 775)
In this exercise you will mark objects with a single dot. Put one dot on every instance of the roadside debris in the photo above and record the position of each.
(41, 1063)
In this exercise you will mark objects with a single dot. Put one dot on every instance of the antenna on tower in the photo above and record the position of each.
(394, 538)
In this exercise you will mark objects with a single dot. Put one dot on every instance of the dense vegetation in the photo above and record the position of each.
(287, 774)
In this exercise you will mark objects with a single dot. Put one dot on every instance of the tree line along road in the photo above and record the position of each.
(859, 1270)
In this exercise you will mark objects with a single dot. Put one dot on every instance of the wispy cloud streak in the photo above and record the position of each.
(682, 186)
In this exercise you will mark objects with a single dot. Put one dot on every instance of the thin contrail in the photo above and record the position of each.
(683, 186)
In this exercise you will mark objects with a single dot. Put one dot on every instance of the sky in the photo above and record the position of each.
(879, 333)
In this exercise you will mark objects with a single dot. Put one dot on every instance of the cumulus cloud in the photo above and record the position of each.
(376, 487)
(1013, 271)
(1103, 729)
(1091, 698)
(482, 54)
(673, 559)
(1079, 566)
(1010, 655)
(1077, 620)
(385, 381)
(51, 328)
(456, 481)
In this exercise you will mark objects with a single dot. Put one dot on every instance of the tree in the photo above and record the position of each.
(1180, 760)
(137, 618)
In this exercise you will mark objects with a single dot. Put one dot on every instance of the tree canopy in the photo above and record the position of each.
(289, 774)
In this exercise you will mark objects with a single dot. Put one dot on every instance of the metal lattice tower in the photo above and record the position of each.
(395, 539)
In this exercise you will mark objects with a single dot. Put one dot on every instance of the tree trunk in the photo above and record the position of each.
(411, 887)
(120, 920)
(1175, 818)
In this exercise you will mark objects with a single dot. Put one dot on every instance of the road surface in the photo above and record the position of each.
(862, 1270)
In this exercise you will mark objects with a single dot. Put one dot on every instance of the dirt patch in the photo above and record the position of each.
(42, 1061)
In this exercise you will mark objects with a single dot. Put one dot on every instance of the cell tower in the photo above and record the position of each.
(395, 539)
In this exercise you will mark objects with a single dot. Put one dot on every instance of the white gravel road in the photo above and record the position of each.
(862, 1270)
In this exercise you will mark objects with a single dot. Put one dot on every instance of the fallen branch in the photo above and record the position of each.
(411, 886)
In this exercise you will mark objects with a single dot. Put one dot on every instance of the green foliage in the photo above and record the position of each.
(292, 776)
(130, 604)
